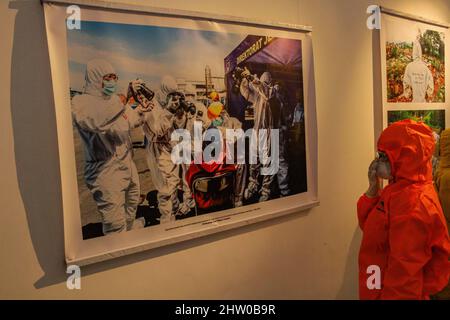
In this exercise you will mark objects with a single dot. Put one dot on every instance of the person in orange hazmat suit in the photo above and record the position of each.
(405, 237)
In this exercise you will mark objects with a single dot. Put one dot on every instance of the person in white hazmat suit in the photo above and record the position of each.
(158, 127)
(223, 122)
(198, 115)
(104, 124)
(418, 79)
(258, 92)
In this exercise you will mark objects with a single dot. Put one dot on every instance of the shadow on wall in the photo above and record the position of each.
(37, 161)
(349, 288)
(35, 140)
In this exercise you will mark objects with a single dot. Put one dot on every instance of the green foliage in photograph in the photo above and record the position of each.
(433, 118)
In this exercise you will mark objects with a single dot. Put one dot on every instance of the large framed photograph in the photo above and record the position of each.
(173, 125)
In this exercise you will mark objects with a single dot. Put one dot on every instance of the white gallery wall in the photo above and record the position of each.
(309, 255)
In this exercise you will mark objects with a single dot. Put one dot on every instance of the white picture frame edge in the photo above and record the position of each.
(84, 252)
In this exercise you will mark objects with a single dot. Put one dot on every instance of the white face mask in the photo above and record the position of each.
(383, 166)
(109, 87)
(384, 169)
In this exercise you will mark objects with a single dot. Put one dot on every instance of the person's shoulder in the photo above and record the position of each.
(80, 103)
(235, 123)
(428, 195)
(421, 64)
(78, 98)
(418, 201)
(403, 196)
(409, 66)
(118, 99)
(200, 105)
(83, 100)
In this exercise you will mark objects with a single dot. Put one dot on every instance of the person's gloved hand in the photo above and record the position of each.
(136, 84)
(133, 88)
(245, 73)
(374, 183)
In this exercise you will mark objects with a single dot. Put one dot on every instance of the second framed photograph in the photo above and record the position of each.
(414, 61)
(414, 70)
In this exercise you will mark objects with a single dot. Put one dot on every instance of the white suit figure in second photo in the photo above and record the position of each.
(418, 80)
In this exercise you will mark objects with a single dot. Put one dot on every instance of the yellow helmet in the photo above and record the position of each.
(214, 96)
(214, 110)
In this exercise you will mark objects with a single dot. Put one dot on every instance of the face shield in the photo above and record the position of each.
(173, 100)
(384, 166)
(167, 86)
(266, 78)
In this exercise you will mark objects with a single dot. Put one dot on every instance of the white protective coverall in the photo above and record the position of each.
(189, 92)
(231, 147)
(104, 124)
(158, 127)
(418, 77)
(258, 93)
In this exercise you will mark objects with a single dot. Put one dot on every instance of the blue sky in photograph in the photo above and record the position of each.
(148, 52)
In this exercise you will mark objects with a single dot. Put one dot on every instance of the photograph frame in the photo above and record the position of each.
(381, 92)
(84, 252)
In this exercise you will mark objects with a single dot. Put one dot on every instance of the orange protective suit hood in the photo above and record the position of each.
(409, 146)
